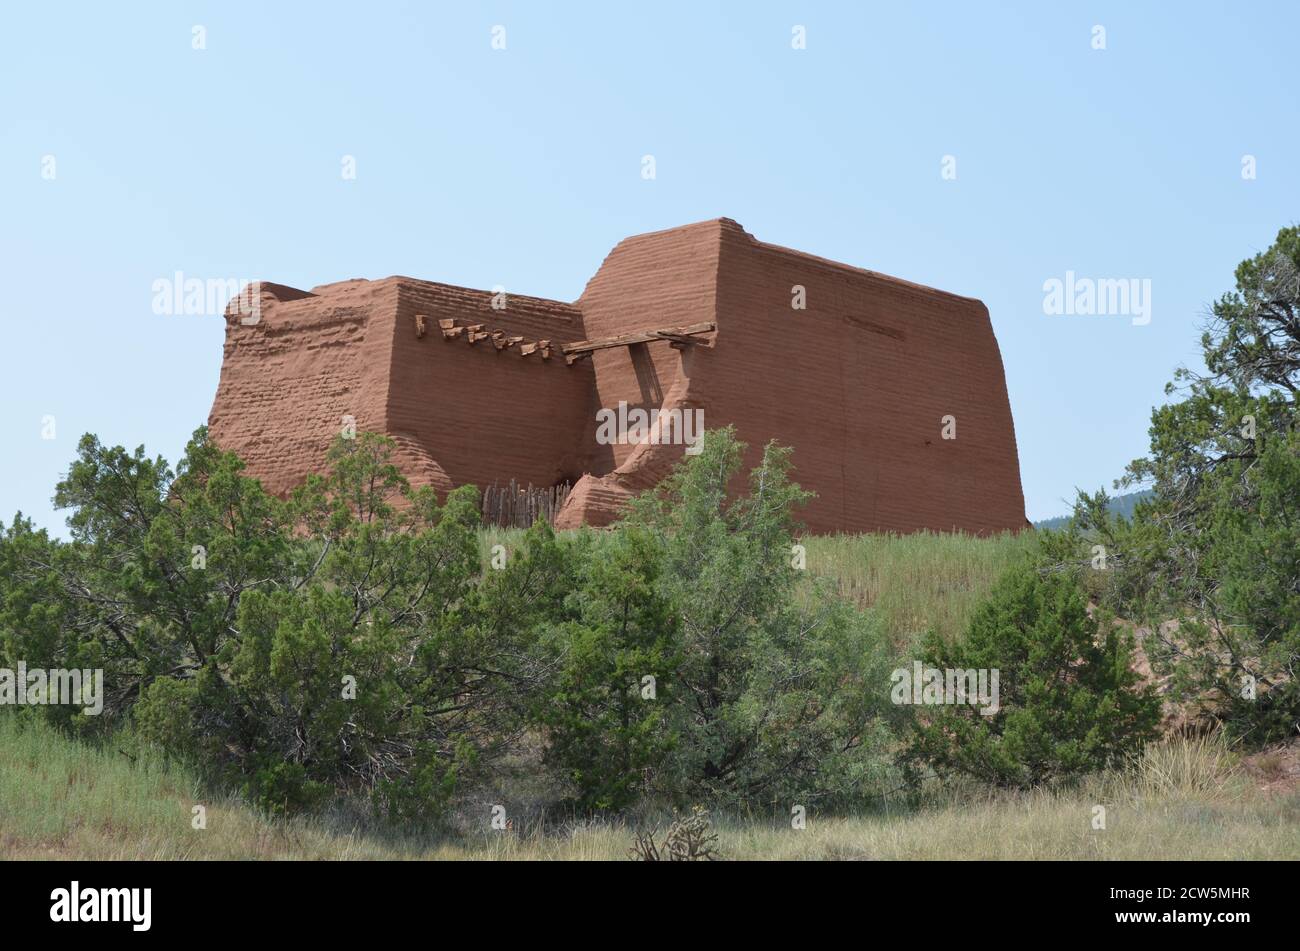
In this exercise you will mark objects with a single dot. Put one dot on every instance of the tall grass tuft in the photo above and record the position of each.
(1201, 766)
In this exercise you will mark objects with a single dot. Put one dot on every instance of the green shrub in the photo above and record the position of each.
(606, 709)
(770, 702)
(687, 671)
(281, 788)
(1069, 700)
(351, 639)
(330, 642)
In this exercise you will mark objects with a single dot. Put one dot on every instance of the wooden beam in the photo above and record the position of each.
(473, 333)
(585, 347)
(449, 329)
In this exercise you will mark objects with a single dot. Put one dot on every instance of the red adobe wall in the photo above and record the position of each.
(477, 415)
(857, 383)
(287, 381)
(668, 278)
(460, 414)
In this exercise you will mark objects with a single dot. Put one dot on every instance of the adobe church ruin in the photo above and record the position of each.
(694, 318)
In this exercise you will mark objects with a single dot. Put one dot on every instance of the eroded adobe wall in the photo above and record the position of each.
(458, 413)
(664, 279)
(857, 383)
(288, 379)
(475, 414)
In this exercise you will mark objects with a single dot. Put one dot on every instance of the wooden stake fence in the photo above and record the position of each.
(514, 506)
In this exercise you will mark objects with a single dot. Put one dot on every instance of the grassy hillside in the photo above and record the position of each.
(63, 799)
(914, 581)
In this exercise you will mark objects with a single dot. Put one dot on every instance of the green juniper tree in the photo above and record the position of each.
(349, 639)
(605, 710)
(771, 701)
(1216, 549)
(1069, 700)
(296, 646)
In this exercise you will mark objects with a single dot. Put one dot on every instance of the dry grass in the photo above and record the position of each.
(913, 582)
(1201, 765)
(1185, 799)
(919, 581)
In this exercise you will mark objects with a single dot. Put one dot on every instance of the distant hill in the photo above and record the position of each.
(1121, 504)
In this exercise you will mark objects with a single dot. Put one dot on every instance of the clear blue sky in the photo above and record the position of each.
(522, 167)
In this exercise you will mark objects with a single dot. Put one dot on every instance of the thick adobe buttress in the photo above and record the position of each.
(479, 388)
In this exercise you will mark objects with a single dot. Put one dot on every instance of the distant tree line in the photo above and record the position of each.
(1121, 506)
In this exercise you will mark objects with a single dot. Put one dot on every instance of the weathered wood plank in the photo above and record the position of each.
(640, 336)
(513, 505)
